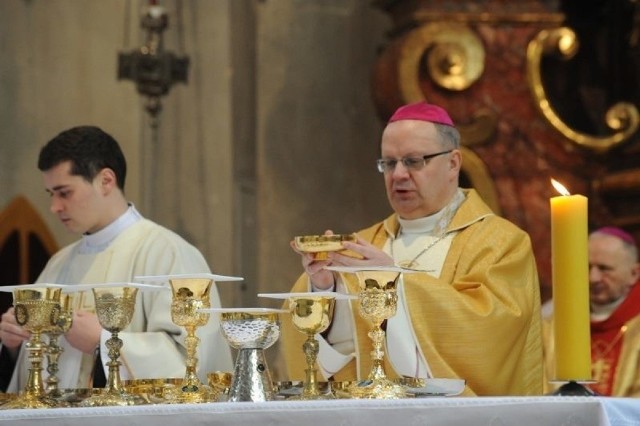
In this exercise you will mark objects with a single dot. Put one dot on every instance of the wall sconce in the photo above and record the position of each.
(153, 69)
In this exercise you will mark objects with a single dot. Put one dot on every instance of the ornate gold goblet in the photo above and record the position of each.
(190, 295)
(115, 305)
(377, 301)
(36, 309)
(251, 331)
(311, 313)
(190, 301)
(53, 350)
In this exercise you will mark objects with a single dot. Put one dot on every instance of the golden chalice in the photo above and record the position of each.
(191, 298)
(377, 301)
(53, 350)
(311, 313)
(115, 305)
(37, 309)
(190, 295)
(320, 245)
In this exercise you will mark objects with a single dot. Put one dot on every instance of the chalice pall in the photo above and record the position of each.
(53, 350)
(311, 315)
(250, 331)
(36, 309)
(114, 307)
(190, 295)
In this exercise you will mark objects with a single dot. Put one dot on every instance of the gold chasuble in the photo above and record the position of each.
(479, 321)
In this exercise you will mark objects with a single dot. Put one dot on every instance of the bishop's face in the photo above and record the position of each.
(418, 193)
(80, 205)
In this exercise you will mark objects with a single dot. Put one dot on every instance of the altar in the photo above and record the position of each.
(450, 411)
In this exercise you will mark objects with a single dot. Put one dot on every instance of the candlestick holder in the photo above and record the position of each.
(573, 388)
(377, 302)
(37, 308)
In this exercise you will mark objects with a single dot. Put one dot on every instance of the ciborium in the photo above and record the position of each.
(311, 313)
(115, 304)
(37, 309)
(54, 350)
(190, 300)
(321, 245)
(377, 302)
(250, 331)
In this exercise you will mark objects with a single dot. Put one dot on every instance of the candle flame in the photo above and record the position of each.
(559, 187)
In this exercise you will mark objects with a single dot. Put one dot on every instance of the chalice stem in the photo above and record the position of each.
(310, 348)
(34, 387)
(53, 354)
(114, 384)
(191, 381)
(377, 354)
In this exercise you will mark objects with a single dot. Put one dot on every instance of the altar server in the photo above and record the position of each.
(84, 173)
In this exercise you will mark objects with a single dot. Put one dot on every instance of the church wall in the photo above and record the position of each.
(274, 134)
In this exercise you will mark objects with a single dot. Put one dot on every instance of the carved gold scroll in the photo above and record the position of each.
(622, 117)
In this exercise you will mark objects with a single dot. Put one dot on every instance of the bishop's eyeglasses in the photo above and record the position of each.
(410, 163)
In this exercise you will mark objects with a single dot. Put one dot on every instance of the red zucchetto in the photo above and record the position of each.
(422, 111)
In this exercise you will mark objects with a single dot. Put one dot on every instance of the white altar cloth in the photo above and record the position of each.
(450, 411)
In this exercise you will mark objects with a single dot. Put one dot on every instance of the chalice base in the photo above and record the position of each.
(312, 396)
(108, 399)
(375, 389)
(179, 394)
(30, 401)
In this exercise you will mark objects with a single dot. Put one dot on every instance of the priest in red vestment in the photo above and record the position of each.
(615, 304)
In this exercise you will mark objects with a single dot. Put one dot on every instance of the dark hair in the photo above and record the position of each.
(89, 149)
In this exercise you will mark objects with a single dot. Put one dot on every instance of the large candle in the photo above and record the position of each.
(570, 267)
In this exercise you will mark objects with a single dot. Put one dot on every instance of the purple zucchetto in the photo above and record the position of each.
(422, 111)
(618, 233)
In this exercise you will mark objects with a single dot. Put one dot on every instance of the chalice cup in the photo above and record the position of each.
(250, 331)
(311, 314)
(53, 350)
(115, 306)
(190, 295)
(36, 309)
